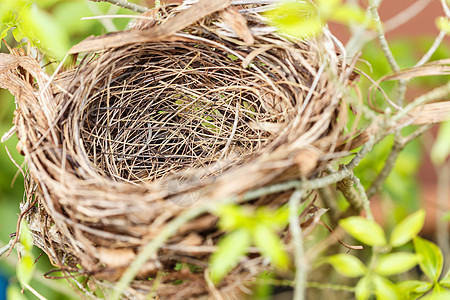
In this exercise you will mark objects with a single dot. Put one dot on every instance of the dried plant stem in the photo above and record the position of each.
(297, 239)
(437, 41)
(125, 4)
(363, 197)
(435, 94)
(373, 7)
(352, 197)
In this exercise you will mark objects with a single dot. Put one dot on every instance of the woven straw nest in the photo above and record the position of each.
(141, 132)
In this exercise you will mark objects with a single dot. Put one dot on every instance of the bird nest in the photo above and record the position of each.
(140, 133)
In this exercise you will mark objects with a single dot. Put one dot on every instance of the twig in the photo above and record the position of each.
(297, 239)
(435, 94)
(34, 292)
(373, 7)
(125, 4)
(405, 15)
(437, 41)
(346, 188)
(359, 247)
(363, 197)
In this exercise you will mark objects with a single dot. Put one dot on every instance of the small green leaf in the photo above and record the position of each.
(347, 14)
(26, 238)
(270, 246)
(441, 147)
(443, 24)
(407, 229)
(347, 265)
(233, 217)
(384, 288)
(229, 251)
(438, 289)
(363, 288)
(430, 258)
(297, 19)
(276, 220)
(412, 289)
(25, 269)
(437, 296)
(395, 263)
(365, 231)
(445, 281)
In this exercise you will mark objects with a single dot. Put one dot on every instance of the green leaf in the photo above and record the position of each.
(365, 231)
(25, 269)
(437, 296)
(297, 19)
(395, 263)
(42, 29)
(407, 229)
(441, 148)
(384, 288)
(270, 246)
(412, 289)
(233, 217)
(445, 281)
(347, 14)
(276, 220)
(363, 288)
(26, 238)
(430, 258)
(347, 265)
(443, 24)
(229, 251)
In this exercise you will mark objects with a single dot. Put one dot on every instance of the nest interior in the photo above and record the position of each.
(163, 107)
(138, 134)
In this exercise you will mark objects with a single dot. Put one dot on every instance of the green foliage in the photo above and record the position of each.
(407, 229)
(300, 19)
(441, 147)
(395, 263)
(25, 267)
(443, 24)
(347, 265)
(365, 231)
(246, 226)
(52, 26)
(230, 249)
(385, 263)
(430, 258)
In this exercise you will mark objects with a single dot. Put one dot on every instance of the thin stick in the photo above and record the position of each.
(297, 240)
(125, 4)
(373, 7)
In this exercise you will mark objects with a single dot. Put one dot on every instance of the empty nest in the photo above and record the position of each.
(138, 134)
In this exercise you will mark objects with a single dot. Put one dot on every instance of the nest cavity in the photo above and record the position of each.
(163, 107)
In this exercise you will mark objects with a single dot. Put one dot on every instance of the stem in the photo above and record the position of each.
(125, 4)
(373, 8)
(297, 239)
